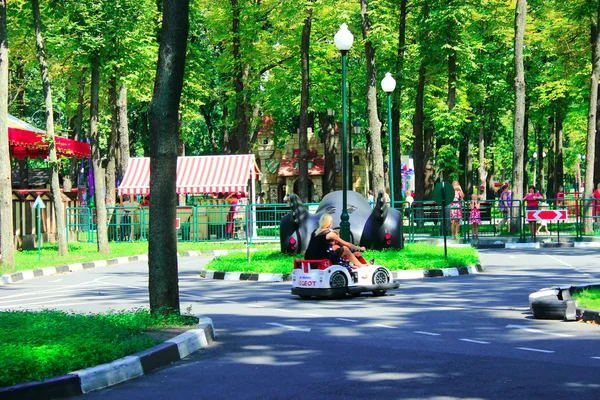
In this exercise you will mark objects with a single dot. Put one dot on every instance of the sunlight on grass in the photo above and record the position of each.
(414, 256)
(588, 298)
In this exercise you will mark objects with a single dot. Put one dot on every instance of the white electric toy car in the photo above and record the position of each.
(319, 278)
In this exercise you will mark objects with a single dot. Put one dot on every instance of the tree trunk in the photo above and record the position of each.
(242, 123)
(397, 103)
(374, 123)
(164, 133)
(328, 130)
(7, 248)
(111, 150)
(418, 131)
(540, 161)
(481, 171)
(591, 131)
(123, 159)
(469, 168)
(99, 198)
(558, 152)
(304, 105)
(428, 143)
(519, 116)
(59, 209)
(551, 194)
(74, 167)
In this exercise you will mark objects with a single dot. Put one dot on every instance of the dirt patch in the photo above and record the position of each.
(165, 334)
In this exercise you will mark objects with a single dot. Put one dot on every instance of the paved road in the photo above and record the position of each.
(468, 337)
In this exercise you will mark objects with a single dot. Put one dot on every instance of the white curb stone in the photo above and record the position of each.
(209, 275)
(270, 277)
(75, 267)
(190, 341)
(594, 245)
(100, 263)
(410, 274)
(232, 276)
(5, 280)
(110, 374)
(472, 269)
(450, 272)
(27, 274)
(48, 271)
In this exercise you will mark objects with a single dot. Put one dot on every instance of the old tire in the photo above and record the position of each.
(548, 307)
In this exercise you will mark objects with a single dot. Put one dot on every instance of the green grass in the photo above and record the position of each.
(413, 256)
(588, 298)
(40, 345)
(85, 252)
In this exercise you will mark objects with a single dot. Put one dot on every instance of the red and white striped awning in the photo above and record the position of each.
(196, 174)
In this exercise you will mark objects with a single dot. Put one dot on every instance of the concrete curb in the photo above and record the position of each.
(118, 371)
(404, 275)
(48, 271)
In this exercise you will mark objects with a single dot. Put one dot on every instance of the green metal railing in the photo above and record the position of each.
(421, 219)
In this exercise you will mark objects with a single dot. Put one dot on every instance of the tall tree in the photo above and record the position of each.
(6, 222)
(98, 170)
(519, 113)
(371, 80)
(592, 117)
(63, 250)
(163, 285)
(304, 103)
(123, 128)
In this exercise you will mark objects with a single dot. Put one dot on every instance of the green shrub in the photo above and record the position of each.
(40, 345)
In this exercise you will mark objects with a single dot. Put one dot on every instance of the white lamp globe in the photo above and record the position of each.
(388, 84)
(343, 39)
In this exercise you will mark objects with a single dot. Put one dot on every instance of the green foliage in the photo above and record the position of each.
(413, 256)
(588, 298)
(40, 345)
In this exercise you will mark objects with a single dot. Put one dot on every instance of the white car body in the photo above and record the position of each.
(321, 279)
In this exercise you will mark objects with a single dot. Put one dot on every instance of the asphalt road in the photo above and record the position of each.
(467, 337)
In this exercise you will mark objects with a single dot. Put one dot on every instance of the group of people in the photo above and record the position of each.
(532, 202)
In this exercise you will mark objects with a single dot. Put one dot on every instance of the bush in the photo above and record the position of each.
(40, 345)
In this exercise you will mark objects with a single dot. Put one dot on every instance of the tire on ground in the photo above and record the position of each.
(548, 307)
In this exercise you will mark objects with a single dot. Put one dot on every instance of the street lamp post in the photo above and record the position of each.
(343, 40)
(388, 84)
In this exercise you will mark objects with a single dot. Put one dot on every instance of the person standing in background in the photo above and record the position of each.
(456, 213)
(532, 202)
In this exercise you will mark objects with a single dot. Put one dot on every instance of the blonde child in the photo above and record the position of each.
(543, 223)
(475, 216)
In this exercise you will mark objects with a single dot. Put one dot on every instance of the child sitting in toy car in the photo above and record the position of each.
(325, 243)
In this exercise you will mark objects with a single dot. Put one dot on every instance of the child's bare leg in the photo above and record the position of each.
(348, 255)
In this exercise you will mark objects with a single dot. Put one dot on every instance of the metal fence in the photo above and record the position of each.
(421, 219)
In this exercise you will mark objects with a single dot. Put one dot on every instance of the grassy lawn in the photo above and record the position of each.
(41, 345)
(414, 256)
(588, 298)
(85, 252)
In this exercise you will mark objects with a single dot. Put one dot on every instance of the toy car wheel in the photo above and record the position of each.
(379, 293)
(380, 276)
(338, 280)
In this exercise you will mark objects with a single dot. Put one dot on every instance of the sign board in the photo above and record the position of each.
(443, 191)
(177, 223)
(546, 215)
(38, 203)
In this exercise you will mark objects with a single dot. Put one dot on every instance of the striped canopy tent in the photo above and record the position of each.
(197, 174)
(25, 140)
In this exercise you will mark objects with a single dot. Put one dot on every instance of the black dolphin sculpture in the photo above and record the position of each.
(375, 228)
